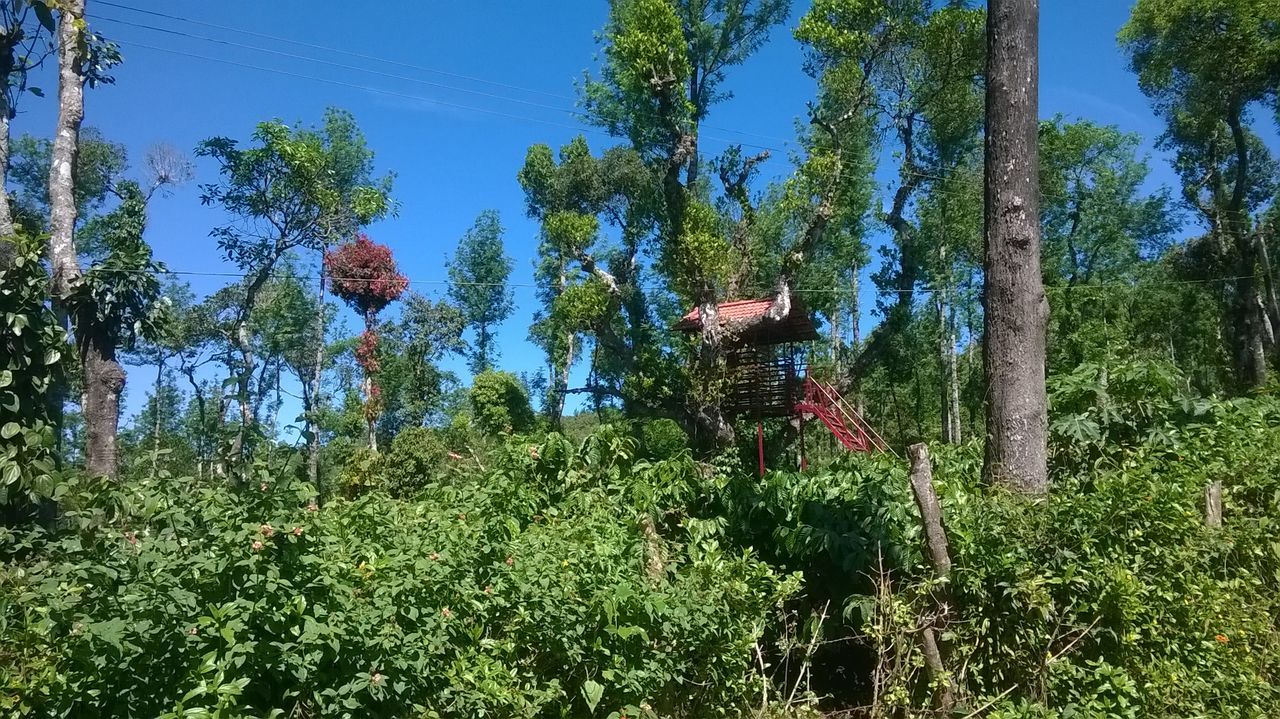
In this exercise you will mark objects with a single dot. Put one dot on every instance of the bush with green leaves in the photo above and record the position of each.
(663, 437)
(31, 368)
(524, 591)
(1110, 598)
(500, 403)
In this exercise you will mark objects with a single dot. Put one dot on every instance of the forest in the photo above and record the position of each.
(1037, 478)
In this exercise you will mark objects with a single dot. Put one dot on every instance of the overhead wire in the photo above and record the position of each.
(460, 106)
(397, 63)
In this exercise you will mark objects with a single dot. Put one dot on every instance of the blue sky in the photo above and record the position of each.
(454, 142)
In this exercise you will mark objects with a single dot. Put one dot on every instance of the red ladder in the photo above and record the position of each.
(850, 429)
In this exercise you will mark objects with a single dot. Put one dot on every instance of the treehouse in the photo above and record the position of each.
(767, 376)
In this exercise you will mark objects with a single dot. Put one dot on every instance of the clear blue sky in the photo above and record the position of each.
(456, 152)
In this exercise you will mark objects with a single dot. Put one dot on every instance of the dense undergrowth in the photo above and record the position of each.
(551, 578)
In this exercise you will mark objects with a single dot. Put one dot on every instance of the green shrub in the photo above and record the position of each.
(500, 403)
(663, 437)
(519, 592)
(362, 472)
(416, 456)
(1109, 599)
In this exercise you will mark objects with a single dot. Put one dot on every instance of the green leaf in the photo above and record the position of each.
(44, 15)
(36, 91)
(592, 692)
(9, 430)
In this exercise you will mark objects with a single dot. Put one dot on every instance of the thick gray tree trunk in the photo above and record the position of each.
(66, 144)
(1250, 321)
(1016, 308)
(103, 375)
(103, 384)
(6, 218)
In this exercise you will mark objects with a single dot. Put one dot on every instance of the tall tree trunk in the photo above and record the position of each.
(103, 383)
(1269, 283)
(103, 375)
(953, 378)
(248, 421)
(370, 402)
(855, 338)
(1016, 308)
(156, 411)
(66, 145)
(311, 390)
(561, 387)
(202, 432)
(948, 391)
(1250, 350)
(6, 218)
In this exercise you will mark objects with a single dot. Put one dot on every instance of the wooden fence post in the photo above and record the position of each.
(1213, 505)
(940, 559)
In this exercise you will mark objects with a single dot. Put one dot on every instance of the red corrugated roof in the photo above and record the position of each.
(728, 312)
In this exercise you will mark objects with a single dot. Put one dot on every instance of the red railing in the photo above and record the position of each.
(850, 429)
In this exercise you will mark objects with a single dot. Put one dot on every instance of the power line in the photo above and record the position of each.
(344, 66)
(421, 98)
(339, 51)
(374, 58)
(365, 88)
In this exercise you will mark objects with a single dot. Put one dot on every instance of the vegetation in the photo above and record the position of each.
(1070, 516)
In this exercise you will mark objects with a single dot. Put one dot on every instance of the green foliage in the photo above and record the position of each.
(31, 347)
(663, 437)
(415, 458)
(518, 592)
(1204, 54)
(321, 179)
(118, 298)
(478, 276)
(500, 403)
(99, 164)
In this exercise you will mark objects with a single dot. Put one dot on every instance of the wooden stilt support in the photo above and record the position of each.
(760, 443)
(804, 459)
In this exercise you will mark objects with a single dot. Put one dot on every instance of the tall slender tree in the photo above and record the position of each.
(287, 192)
(25, 29)
(1016, 316)
(363, 273)
(478, 275)
(1207, 65)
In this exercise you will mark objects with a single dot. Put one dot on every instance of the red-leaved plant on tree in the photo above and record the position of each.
(363, 274)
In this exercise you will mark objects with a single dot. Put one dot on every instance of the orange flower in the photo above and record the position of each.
(1222, 638)
(446, 612)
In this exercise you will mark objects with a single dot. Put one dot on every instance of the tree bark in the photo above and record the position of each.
(1269, 282)
(953, 377)
(103, 375)
(1250, 350)
(66, 145)
(6, 217)
(103, 383)
(155, 420)
(1016, 308)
